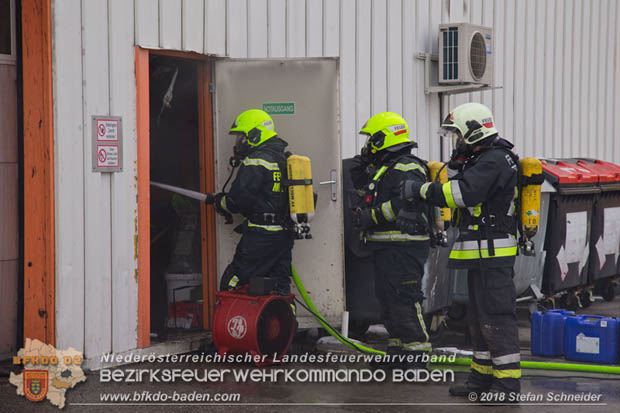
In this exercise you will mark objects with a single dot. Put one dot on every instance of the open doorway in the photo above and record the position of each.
(180, 287)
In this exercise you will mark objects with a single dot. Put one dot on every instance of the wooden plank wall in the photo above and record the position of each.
(557, 61)
(38, 138)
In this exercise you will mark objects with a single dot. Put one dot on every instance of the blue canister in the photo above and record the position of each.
(592, 338)
(547, 333)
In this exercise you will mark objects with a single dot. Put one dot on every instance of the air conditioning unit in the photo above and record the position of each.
(465, 54)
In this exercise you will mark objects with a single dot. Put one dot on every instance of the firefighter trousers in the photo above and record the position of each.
(492, 323)
(262, 254)
(398, 287)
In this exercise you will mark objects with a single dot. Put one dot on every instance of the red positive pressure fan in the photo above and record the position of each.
(257, 325)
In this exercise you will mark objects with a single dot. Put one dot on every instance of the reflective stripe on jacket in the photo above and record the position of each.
(387, 202)
(257, 187)
(485, 186)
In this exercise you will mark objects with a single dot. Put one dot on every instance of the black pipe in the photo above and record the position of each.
(440, 95)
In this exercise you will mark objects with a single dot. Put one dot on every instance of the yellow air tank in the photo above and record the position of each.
(300, 196)
(442, 215)
(531, 175)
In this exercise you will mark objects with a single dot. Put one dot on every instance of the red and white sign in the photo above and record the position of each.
(107, 143)
(107, 130)
(487, 122)
(107, 156)
(237, 327)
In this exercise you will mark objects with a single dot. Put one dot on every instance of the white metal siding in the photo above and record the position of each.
(123, 189)
(69, 174)
(556, 60)
(96, 290)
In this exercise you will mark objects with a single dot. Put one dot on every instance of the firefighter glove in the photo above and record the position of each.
(408, 221)
(457, 160)
(359, 177)
(219, 202)
(410, 190)
(210, 199)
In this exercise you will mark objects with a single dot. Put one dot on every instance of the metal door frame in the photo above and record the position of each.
(207, 184)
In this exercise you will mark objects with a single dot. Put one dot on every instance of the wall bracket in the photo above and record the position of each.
(446, 89)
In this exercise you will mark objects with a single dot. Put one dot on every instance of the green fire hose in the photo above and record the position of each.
(545, 365)
(322, 322)
(536, 365)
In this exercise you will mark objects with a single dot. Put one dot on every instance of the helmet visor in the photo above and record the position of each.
(240, 139)
(366, 151)
(241, 147)
(367, 141)
(452, 134)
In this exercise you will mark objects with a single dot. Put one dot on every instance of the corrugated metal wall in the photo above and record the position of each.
(557, 61)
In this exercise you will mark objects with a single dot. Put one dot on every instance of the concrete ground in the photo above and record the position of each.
(352, 397)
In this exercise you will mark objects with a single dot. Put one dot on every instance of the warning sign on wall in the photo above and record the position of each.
(107, 144)
(107, 156)
(107, 129)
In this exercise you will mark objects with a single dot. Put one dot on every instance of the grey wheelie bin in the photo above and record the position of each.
(567, 242)
(604, 265)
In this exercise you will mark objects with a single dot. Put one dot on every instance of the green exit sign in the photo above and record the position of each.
(287, 108)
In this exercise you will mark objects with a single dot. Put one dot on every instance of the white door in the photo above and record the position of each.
(302, 97)
(9, 251)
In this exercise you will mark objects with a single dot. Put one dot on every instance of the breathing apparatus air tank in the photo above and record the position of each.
(531, 180)
(300, 195)
(442, 215)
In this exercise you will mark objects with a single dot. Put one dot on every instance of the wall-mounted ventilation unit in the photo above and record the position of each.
(465, 54)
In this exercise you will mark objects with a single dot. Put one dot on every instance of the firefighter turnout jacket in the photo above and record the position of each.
(485, 193)
(257, 192)
(387, 203)
(399, 257)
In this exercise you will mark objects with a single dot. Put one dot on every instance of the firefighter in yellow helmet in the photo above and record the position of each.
(386, 161)
(258, 194)
(483, 189)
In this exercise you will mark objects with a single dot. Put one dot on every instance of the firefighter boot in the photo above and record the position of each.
(417, 355)
(497, 395)
(480, 377)
(390, 360)
(467, 387)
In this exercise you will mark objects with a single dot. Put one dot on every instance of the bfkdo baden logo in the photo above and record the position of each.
(48, 372)
(35, 384)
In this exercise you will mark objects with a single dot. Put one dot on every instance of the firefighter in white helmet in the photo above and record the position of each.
(483, 190)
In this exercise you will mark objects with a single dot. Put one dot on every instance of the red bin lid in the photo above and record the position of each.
(607, 171)
(568, 173)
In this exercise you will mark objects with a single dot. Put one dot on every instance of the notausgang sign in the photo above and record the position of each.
(286, 108)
